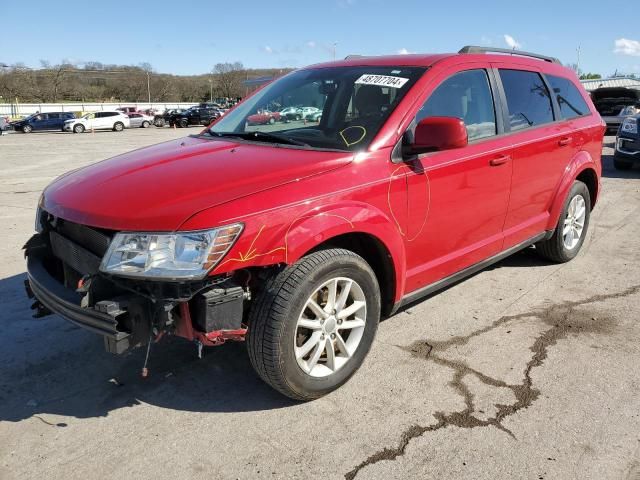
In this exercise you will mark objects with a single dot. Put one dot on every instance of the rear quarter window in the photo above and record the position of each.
(571, 102)
(528, 99)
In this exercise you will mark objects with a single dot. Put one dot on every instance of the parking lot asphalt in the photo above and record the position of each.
(526, 370)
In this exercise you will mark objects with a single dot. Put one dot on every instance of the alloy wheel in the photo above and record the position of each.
(330, 327)
(574, 222)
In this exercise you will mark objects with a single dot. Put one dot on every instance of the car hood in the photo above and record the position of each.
(158, 188)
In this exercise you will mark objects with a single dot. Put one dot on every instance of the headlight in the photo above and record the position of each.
(629, 125)
(170, 256)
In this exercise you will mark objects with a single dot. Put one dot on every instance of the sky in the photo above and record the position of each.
(183, 37)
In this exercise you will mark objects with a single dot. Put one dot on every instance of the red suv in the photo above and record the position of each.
(298, 238)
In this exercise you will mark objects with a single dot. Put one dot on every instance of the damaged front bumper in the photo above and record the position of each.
(63, 278)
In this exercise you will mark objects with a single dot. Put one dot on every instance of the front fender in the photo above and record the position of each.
(581, 161)
(273, 241)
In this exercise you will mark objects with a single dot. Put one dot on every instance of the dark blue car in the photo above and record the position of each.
(627, 144)
(42, 121)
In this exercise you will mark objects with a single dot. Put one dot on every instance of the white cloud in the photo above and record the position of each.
(268, 49)
(509, 40)
(403, 51)
(625, 46)
(311, 44)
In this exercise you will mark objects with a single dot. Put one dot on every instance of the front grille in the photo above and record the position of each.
(94, 240)
(73, 255)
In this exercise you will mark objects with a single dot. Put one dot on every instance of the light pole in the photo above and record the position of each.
(335, 44)
(211, 90)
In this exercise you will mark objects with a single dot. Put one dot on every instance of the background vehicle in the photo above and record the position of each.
(611, 103)
(127, 110)
(263, 117)
(42, 121)
(137, 120)
(194, 116)
(423, 170)
(315, 117)
(307, 112)
(116, 121)
(291, 113)
(627, 151)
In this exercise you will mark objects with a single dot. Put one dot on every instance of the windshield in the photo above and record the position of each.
(327, 108)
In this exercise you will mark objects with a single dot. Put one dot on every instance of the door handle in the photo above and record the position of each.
(501, 160)
(564, 141)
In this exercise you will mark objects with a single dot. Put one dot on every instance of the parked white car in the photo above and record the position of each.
(116, 121)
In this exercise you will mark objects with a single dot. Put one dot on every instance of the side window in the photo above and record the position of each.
(54, 116)
(99, 115)
(467, 96)
(528, 99)
(571, 102)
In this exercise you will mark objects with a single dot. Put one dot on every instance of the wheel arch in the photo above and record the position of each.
(583, 168)
(376, 254)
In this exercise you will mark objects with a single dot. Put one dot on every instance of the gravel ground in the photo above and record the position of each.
(526, 370)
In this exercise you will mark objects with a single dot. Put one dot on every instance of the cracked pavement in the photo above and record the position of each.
(526, 370)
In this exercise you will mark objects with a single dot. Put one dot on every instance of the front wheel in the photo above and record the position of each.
(79, 128)
(569, 235)
(27, 129)
(118, 127)
(313, 323)
(145, 124)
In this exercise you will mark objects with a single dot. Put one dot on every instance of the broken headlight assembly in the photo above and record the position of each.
(184, 255)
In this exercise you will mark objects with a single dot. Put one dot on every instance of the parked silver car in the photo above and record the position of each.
(140, 120)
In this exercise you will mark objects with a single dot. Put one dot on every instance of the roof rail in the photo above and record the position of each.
(351, 57)
(477, 49)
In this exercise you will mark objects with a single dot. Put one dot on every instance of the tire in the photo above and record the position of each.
(272, 121)
(145, 124)
(556, 248)
(79, 128)
(118, 127)
(159, 123)
(27, 129)
(184, 123)
(621, 164)
(274, 336)
(298, 117)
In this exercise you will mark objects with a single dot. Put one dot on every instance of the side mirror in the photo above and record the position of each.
(439, 133)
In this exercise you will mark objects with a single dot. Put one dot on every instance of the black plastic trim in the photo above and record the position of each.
(65, 302)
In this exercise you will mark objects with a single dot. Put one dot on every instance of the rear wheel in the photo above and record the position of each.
(79, 128)
(621, 164)
(159, 122)
(27, 129)
(184, 123)
(569, 235)
(118, 127)
(314, 323)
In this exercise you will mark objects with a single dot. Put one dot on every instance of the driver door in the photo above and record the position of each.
(458, 198)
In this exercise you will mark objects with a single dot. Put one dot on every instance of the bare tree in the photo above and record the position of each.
(228, 78)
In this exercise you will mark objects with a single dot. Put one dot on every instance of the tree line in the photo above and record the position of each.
(97, 82)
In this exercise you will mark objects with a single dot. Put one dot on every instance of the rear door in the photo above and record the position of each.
(542, 148)
(458, 198)
(54, 122)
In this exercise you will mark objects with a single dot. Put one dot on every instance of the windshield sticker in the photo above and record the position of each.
(382, 80)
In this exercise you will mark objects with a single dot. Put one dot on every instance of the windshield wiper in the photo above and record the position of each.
(257, 135)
